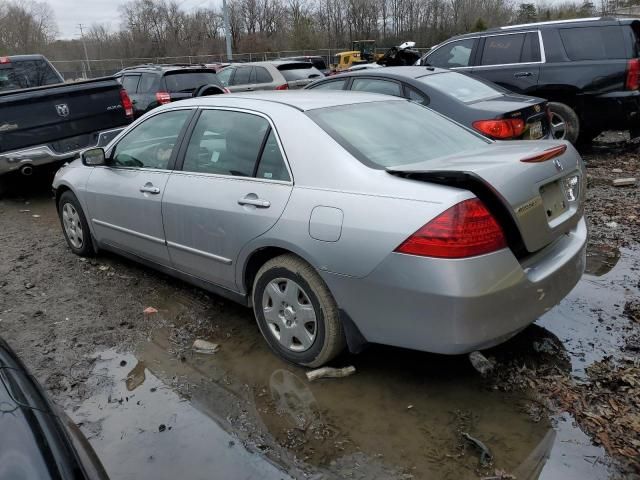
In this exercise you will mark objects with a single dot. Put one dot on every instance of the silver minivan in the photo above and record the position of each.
(275, 75)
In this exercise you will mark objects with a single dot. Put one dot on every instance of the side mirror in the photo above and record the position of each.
(94, 157)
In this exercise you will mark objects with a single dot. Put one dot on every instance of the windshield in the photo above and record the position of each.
(388, 134)
(460, 86)
(27, 73)
(189, 81)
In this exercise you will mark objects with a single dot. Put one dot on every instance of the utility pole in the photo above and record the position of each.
(84, 44)
(227, 30)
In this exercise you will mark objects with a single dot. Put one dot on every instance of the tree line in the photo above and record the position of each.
(162, 28)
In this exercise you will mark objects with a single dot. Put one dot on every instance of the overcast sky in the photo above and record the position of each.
(69, 13)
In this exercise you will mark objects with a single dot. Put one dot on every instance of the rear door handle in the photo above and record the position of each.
(256, 202)
(522, 74)
(148, 188)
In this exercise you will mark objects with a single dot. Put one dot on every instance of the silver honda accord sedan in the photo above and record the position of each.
(341, 218)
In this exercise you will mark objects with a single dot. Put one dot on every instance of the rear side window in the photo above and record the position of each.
(333, 85)
(262, 75)
(185, 82)
(130, 83)
(593, 43)
(461, 87)
(26, 74)
(242, 76)
(148, 83)
(502, 49)
(299, 71)
(393, 133)
(371, 85)
(225, 143)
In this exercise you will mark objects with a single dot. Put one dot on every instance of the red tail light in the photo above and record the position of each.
(4, 60)
(500, 129)
(464, 230)
(548, 154)
(633, 74)
(163, 97)
(284, 86)
(126, 103)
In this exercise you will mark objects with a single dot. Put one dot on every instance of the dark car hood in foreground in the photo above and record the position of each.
(35, 442)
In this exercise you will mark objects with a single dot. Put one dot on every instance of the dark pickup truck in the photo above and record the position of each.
(44, 120)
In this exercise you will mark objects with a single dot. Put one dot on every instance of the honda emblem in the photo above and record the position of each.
(62, 109)
(558, 164)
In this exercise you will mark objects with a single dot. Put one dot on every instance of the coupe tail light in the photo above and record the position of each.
(501, 129)
(465, 230)
(633, 74)
(126, 103)
(163, 97)
(548, 154)
(284, 86)
(4, 60)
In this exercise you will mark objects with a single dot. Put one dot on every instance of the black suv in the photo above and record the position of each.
(588, 69)
(153, 85)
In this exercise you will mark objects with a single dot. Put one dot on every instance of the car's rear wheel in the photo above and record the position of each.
(565, 124)
(74, 225)
(296, 312)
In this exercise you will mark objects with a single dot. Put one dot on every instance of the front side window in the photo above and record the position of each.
(452, 55)
(242, 76)
(262, 75)
(396, 133)
(460, 86)
(372, 85)
(226, 143)
(150, 144)
(502, 49)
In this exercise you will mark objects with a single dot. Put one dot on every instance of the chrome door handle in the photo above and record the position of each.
(522, 74)
(150, 189)
(256, 202)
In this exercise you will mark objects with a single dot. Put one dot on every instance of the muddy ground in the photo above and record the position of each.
(562, 401)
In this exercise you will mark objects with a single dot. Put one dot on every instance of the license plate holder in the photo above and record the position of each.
(535, 130)
(553, 200)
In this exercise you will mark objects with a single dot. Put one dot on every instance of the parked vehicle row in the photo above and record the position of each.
(341, 218)
(274, 75)
(44, 120)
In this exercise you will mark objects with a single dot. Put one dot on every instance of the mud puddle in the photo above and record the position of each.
(400, 416)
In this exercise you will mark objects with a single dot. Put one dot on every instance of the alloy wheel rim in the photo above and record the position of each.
(72, 225)
(289, 314)
(558, 126)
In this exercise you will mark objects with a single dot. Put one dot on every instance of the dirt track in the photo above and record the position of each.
(124, 376)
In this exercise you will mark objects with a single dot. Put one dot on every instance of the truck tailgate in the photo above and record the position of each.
(64, 117)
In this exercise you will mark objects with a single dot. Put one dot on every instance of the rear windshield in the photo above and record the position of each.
(319, 63)
(388, 134)
(27, 73)
(299, 71)
(460, 87)
(593, 43)
(188, 81)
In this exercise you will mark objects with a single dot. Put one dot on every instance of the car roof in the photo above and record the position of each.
(275, 62)
(164, 68)
(20, 58)
(302, 100)
(398, 73)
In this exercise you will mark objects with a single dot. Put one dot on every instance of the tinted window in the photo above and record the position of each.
(460, 86)
(225, 143)
(333, 85)
(151, 143)
(188, 81)
(502, 49)
(299, 71)
(319, 63)
(224, 75)
(272, 164)
(531, 48)
(593, 43)
(26, 74)
(130, 83)
(416, 96)
(262, 75)
(148, 83)
(384, 134)
(454, 54)
(242, 76)
(376, 86)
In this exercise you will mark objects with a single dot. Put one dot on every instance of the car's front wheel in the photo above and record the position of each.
(74, 225)
(296, 312)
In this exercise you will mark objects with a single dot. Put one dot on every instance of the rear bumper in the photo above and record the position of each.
(613, 111)
(43, 154)
(457, 306)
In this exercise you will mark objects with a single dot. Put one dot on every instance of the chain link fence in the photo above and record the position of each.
(80, 69)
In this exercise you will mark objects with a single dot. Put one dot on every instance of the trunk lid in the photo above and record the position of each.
(532, 110)
(532, 200)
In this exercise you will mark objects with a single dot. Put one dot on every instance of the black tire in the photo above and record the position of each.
(329, 338)
(568, 116)
(85, 247)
